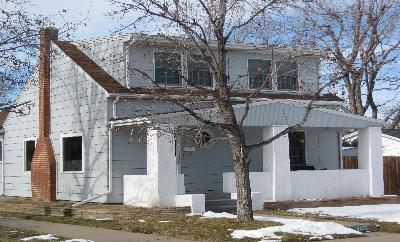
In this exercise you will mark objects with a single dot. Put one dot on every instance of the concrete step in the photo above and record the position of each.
(221, 205)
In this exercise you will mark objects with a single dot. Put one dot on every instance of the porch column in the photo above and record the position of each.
(276, 160)
(370, 158)
(161, 166)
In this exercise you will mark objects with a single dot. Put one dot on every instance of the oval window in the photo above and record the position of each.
(204, 138)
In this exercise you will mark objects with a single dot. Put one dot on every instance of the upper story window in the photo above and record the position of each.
(199, 74)
(72, 154)
(167, 69)
(286, 76)
(259, 73)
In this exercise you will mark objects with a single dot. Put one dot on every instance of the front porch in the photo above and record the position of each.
(306, 164)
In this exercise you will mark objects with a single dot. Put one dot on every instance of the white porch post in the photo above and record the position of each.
(370, 158)
(161, 166)
(276, 160)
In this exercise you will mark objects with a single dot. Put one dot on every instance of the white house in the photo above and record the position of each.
(390, 144)
(97, 132)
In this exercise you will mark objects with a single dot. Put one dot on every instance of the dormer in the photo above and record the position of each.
(247, 67)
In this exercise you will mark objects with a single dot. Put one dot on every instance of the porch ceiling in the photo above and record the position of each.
(268, 113)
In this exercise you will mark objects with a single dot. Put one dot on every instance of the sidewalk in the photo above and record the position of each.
(81, 232)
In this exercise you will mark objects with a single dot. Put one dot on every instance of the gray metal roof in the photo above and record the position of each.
(268, 113)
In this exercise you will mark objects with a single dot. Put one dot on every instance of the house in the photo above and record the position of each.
(96, 131)
(390, 143)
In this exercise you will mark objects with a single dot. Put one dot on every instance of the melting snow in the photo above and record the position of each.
(381, 212)
(293, 226)
(163, 221)
(78, 240)
(141, 221)
(40, 237)
(103, 219)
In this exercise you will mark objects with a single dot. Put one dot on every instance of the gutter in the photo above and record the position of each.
(110, 158)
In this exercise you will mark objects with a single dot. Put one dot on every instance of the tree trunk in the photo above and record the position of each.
(241, 166)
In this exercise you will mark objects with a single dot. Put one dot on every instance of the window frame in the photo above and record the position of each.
(24, 151)
(305, 147)
(71, 135)
(276, 77)
(187, 76)
(181, 68)
(272, 75)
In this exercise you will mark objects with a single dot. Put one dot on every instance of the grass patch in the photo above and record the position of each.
(8, 234)
(179, 225)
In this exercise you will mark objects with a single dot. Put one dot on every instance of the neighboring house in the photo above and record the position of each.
(390, 143)
(85, 139)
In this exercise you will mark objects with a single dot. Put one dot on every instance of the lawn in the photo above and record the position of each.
(13, 235)
(172, 224)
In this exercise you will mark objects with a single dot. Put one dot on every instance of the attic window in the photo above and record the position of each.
(199, 74)
(204, 138)
(287, 75)
(167, 68)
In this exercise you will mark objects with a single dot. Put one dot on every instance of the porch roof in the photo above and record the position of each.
(266, 113)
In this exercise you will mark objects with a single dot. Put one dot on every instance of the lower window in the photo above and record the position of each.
(297, 148)
(29, 150)
(72, 153)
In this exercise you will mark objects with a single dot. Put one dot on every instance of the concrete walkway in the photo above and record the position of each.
(81, 232)
(375, 237)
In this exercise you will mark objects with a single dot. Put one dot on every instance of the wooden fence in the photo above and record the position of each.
(391, 172)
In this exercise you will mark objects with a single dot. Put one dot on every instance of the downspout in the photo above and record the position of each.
(110, 158)
(114, 107)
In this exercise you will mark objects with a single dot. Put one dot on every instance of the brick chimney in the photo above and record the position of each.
(43, 173)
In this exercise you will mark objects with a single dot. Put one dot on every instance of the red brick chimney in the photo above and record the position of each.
(43, 173)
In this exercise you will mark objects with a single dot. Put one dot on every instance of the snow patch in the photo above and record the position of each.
(210, 214)
(40, 237)
(163, 221)
(141, 221)
(380, 212)
(103, 219)
(292, 226)
(78, 240)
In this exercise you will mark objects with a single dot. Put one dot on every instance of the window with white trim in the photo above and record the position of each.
(259, 73)
(199, 74)
(72, 154)
(287, 75)
(167, 69)
(29, 150)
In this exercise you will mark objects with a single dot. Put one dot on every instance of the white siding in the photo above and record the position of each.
(129, 158)
(17, 128)
(79, 105)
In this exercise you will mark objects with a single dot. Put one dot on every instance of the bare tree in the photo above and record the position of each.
(362, 43)
(19, 35)
(204, 29)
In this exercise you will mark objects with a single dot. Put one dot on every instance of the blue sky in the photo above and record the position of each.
(97, 24)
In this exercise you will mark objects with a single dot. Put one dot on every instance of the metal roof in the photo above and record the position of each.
(268, 113)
